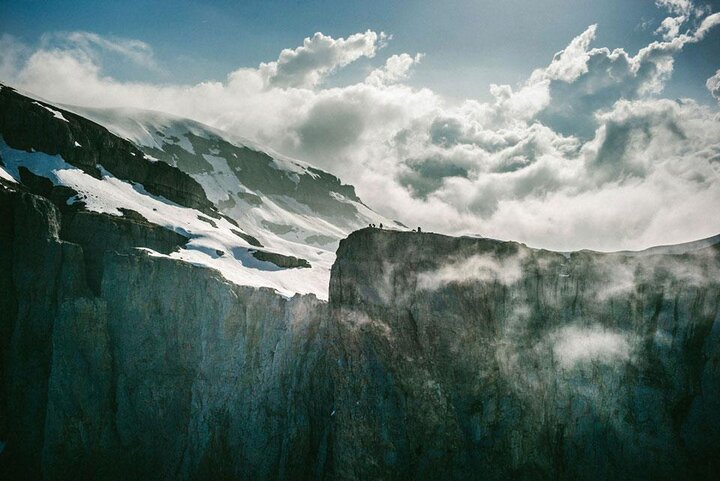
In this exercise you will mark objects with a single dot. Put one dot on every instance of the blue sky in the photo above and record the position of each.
(468, 44)
(563, 124)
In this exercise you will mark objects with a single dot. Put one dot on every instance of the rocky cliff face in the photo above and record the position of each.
(38, 271)
(462, 358)
(35, 125)
(169, 372)
(437, 357)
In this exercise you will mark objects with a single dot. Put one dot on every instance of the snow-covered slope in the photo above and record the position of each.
(276, 221)
(278, 199)
(675, 249)
(215, 243)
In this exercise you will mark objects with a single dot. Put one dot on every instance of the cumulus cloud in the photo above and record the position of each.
(583, 154)
(679, 7)
(570, 63)
(686, 12)
(396, 68)
(319, 55)
(708, 23)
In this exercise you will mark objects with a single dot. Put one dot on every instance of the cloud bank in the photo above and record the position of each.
(583, 154)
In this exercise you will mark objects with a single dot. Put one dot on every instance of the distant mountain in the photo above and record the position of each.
(259, 218)
(683, 248)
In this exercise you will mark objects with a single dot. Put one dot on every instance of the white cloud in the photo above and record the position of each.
(713, 85)
(396, 68)
(572, 62)
(670, 27)
(680, 7)
(708, 22)
(686, 12)
(12, 54)
(477, 268)
(581, 155)
(134, 50)
(319, 55)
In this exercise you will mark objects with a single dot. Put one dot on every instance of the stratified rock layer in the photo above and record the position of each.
(32, 126)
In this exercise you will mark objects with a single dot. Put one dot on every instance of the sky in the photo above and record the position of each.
(564, 124)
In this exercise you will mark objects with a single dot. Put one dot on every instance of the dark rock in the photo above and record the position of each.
(169, 372)
(435, 358)
(247, 238)
(38, 272)
(99, 233)
(466, 358)
(280, 260)
(207, 220)
(321, 240)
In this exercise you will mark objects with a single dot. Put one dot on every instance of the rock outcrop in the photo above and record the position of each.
(436, 357)
(38, 272)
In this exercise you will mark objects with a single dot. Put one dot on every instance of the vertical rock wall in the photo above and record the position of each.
(463, 358)
(169, 373)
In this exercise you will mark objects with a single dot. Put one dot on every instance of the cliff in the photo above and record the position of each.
(465, 358)
(436, 357)
(169, 372)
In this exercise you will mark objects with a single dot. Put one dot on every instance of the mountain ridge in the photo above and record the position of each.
(258, 237)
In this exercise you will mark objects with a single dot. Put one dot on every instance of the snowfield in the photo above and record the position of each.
(286, 205)
(217, 247)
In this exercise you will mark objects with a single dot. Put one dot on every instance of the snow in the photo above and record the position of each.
(141, 127)
(5, 175)
(222, 186)
(220, 182)
(237, 265)
(56, 113)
